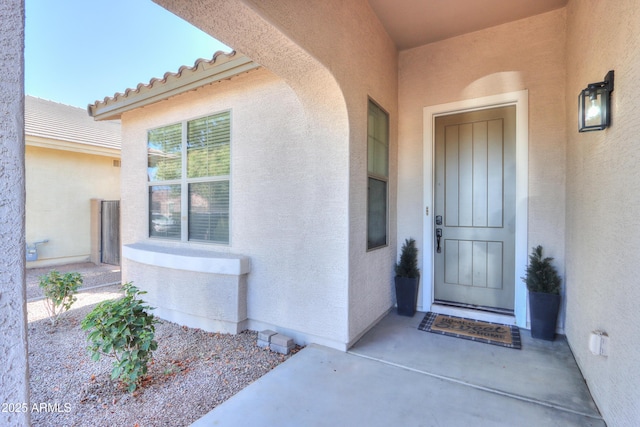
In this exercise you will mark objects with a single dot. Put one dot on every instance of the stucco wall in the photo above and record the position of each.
(14, 384)
(281, 200)
(334, 59)
(603, 205)
(362, 70)
(526, 54)
(60, 185)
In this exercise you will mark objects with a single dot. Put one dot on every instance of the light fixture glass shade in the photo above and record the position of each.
(594, 105)
(594, 109)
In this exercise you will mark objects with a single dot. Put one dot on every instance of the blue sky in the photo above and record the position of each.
(79, 51)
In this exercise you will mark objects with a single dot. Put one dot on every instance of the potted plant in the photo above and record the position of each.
(543, 284)
(407, 279)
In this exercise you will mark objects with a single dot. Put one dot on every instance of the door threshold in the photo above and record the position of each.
(496, 310)
(476, 313)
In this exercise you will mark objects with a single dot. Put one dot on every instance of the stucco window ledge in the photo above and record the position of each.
(189, 259)
(191, 287)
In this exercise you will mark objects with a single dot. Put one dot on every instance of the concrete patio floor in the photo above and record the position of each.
(398, 375)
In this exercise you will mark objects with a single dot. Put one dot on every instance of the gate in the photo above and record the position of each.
(110, 239)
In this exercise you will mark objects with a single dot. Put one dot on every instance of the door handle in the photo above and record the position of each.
(438, 237)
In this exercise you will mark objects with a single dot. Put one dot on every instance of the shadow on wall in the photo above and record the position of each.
(504, 81)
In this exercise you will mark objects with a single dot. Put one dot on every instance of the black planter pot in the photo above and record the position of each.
(544, 315)
(407, 295)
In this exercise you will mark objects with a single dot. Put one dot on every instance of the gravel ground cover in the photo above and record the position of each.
(192, 372)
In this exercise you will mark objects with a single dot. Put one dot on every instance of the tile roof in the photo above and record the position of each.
(55, 121)
(222, 66)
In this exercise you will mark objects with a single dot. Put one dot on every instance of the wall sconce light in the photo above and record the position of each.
(594, 105)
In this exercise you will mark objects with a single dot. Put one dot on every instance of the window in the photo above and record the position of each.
(378, 176)
(189, 166)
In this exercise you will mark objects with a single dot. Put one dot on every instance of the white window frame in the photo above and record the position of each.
(379, 177)
(184, 182)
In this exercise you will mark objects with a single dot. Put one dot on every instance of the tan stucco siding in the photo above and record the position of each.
(361, 56)
(60, 185)
(282, 195)
(526, 54)
(603, 205)
(333, 59)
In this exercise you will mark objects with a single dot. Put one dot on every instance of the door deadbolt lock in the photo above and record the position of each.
(438, 219)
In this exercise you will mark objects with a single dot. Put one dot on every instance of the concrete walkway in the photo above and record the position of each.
(92, 275)
(100, 282)
(398, 375)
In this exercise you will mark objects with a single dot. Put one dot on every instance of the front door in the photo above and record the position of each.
(475, 193)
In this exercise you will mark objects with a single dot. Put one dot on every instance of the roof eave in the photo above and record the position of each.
(76, 147)
(222, 67)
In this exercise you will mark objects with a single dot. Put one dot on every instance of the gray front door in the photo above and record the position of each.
(475, 183)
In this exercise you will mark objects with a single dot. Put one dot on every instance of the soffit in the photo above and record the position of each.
(412, 23)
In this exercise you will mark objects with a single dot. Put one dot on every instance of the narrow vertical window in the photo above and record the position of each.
(378, 176)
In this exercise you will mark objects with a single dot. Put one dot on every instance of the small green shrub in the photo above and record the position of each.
(408, 265)
(59, 291)
(124, 330)
(540, 275)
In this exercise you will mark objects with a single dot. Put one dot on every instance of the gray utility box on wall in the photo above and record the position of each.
(32, 250)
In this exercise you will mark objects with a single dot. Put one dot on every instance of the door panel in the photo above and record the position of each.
(475, 194)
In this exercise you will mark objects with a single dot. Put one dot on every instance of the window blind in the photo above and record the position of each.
(164, 147)
(378, 175)
(208, 146)
(165, 211)
(203, 188)
(209, 211)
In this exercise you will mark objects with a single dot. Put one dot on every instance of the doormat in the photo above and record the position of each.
(474, 330)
